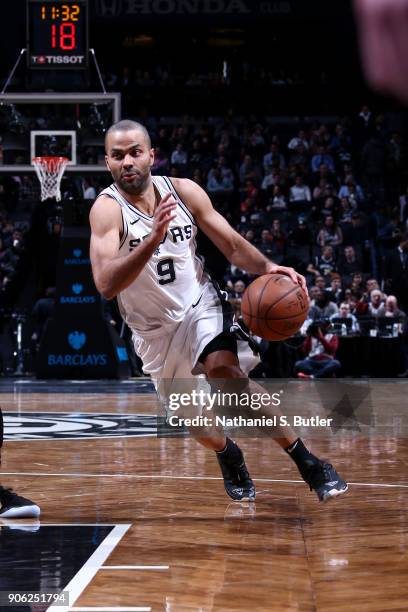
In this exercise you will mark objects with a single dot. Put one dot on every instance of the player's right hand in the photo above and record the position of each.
(162, 217)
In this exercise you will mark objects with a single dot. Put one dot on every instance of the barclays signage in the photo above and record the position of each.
(77, 259)
(77, 298)
(77, 340)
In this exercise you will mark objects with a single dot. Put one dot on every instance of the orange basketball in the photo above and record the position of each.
(274, 307)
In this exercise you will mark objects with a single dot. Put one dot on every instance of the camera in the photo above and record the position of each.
(314, 327)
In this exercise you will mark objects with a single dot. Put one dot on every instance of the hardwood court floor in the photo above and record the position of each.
(203, 553)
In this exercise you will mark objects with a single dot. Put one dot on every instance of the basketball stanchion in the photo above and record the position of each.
(49, 171)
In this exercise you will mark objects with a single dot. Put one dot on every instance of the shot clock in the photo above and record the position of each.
(57, 33)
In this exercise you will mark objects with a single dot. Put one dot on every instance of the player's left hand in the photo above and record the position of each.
(291, 272)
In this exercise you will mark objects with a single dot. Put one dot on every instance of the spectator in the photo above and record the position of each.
(322, 158)
(42, 311)
(392, 310)
(217, 183)
(325, 263)
(301, 234)
(88, 190)
(265, 246)
(396, 272)
(320, 348)
(349, 263)
(352, 192)
(278, 201)
(330, 234)
(238, 290)
(335, 290)
(299, 192)
(300, 139)
(179, 156)
(274, 159)
(376, 306)
(323, 308)
(249, 171)
(345, 313)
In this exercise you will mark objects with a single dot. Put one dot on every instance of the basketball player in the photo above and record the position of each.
(143, 252)
(11, 504)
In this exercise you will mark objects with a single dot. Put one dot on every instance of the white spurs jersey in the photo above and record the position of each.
(173, 279)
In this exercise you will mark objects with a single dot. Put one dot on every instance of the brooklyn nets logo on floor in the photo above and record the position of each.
(75, 426)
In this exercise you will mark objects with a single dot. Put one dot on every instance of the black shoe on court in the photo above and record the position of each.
(15, 506)
(237, 481)
(323, 479)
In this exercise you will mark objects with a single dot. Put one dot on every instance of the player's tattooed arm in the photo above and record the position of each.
(236, 249)
(113, 272)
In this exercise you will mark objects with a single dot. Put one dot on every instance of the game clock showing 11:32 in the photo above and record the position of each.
(57, 33)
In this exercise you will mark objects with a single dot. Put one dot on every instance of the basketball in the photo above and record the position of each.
(274, 307)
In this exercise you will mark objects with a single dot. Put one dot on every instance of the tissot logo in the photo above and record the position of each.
(74, 426)
(76, 339)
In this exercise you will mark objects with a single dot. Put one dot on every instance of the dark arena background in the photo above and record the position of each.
(265, 105)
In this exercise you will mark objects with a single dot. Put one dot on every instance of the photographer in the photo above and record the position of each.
(320, 348)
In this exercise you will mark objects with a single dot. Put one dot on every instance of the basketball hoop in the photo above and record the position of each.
(49, 171)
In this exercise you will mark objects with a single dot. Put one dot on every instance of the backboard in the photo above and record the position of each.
(69, 124)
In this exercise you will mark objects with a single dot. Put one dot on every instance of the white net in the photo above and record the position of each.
(49, 171)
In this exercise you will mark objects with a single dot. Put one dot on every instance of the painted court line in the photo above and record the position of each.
(169, 477)
(87, 572)
(134, 567)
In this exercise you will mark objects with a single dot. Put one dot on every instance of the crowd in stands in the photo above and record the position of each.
(329, 198)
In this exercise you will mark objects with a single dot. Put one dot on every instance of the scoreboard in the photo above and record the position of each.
(57, 33)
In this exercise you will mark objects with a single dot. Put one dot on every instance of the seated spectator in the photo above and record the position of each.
(320, 282)
(349, 263)
(278, 201)
(322, 308)
(392, 310)
(217, 183)
(270, 180)
(330, 234)
(42, 311)
(274, 159)
(376, 306)
(313, 294)
(322, 158)
(324, 264)
(345, 313)
(371, 283)
(357, 232)
(300, 139)
(300, 159)
(346, 211)
(248, 170)
(352, 192)
(265, 245)
(320, 348)
(179, 156)
(238, 290)
(320, 191)
(335, 289)
(299, 192)
(329, 208)
(278, 240)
